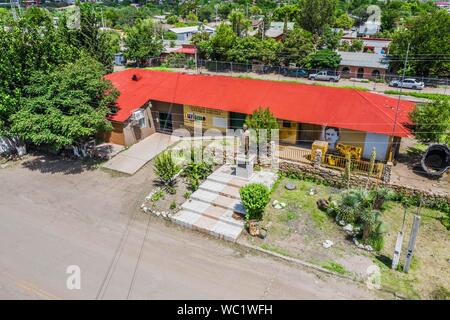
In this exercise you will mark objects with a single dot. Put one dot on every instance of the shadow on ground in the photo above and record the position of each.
(54, 164)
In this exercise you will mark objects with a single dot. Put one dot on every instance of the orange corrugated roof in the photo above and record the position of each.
(323, 105)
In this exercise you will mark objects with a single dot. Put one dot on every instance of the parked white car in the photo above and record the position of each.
(407, 83)
(331, 76)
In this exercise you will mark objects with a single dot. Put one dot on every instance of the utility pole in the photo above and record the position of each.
(412, 242)
(399, 242)
(400, 95)
(196, 63)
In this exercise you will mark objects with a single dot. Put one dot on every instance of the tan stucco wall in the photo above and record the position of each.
(209, 117)
(116, 135)
(134, 134)
(175, 109)
(288, 135)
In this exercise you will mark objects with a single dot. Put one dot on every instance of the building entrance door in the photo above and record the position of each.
(165, 122)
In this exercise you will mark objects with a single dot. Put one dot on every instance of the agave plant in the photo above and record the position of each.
(166, 168)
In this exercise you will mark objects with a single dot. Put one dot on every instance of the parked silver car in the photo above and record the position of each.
(407, 83)
(331, 76)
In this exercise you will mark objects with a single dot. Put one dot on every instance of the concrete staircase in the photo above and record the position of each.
(215, 208)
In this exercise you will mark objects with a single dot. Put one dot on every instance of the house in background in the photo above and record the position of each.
(362, 65)
(372, 45)
(369, 28)
(168, 102)
(186, 33)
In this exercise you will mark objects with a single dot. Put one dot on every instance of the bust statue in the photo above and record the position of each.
(245, 139)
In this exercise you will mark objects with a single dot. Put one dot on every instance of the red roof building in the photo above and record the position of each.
(302, 104)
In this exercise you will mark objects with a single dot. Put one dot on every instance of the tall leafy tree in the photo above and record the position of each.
(142, 42)
(297, 46)
(432, 121)
(65, 106)
(92, 39)
(316, 15)
(221, 42)
(429, 38)
(324, 59)
(28, 44)
(239, 23)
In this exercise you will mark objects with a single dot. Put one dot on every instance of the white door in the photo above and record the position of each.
(379, 141)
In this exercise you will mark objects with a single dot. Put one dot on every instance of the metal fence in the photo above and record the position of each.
(289, 72)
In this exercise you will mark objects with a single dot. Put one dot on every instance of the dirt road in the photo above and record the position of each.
(55, 214)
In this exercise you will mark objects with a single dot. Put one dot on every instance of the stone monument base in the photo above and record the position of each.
(244, 166)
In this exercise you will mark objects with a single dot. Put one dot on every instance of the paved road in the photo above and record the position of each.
(54, 214)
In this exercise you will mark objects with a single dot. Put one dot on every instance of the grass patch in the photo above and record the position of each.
(417, 149)
(354, 87)
(399, 282)
(318, 217)
(334, 267)
(430, 96)
(440, 293)
(165, 69)
(275, 249)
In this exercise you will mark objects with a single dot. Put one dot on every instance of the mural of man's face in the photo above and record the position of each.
(331, 136)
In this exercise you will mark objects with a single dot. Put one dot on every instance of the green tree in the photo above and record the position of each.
(188, 7)
(316, 15)
(205, 12)
(324, 59)
(91, 38)
(66, 106)
(262, 118)
(355, 45)
(248, 49)
(330, 39)
(239, 23)
(296, 47)
(29, 44)
(172, 19)
(432, 121)
(429, 38)
(192, 18)
(291, 12)
(220, 43)
(142, 42)
(344, 21)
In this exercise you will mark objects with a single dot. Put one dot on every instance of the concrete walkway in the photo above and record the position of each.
(216, 208)
(132, 159)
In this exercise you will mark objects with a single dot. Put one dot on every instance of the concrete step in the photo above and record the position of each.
(207, 225)
(220, 189)
(218, 200)
(213, 212)
(228, 180)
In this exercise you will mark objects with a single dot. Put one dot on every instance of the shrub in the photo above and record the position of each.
(165, 168)
(173, 205)
(157, 195)
(195, 172)
(255, 197)
(380, 195)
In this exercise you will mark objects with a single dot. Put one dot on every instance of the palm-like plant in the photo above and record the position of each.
(166, 168)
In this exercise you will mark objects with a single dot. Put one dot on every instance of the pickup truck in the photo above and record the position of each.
(331, 76)
(407, 83)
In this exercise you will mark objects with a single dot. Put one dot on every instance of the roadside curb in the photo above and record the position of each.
(313, 266)
(296, 261)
